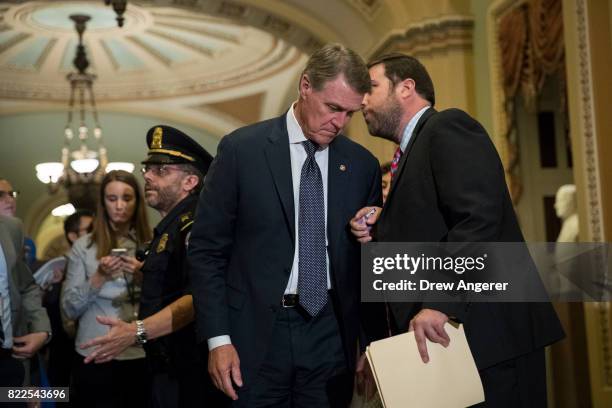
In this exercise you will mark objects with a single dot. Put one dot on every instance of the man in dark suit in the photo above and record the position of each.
(448, 186)
(24, 325)
(275, 270)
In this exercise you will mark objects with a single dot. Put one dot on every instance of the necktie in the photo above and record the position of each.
(312, 261)
(395, 162)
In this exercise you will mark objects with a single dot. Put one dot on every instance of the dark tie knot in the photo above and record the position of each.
(310, 147)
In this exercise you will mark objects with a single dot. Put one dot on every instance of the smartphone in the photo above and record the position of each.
(368, 215)
(118, 251)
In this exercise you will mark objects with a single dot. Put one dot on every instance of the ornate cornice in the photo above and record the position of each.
(429, 35)
(367, 8)
(236, 11)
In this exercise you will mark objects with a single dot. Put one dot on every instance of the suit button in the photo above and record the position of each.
(273, 308)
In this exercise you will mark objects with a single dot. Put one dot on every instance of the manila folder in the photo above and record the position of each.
(450, 378)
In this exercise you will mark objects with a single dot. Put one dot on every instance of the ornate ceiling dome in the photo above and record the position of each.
(160, 52)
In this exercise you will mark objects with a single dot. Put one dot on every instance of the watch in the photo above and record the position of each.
(49, 335)
(141, 333)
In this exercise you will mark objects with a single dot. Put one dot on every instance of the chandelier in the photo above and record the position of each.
(119, 6)
(82, 168)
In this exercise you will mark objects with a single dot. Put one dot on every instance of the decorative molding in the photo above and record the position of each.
(201, 31)
(44, 54)
(13, 41)
(151, 50)
(231, 10)
(367, 8)
(177, 60)
(299, 36)
(209, 52)
(277, 25)
(593, 178)
(281, 56)
(429, 35)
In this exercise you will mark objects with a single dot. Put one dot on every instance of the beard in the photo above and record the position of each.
(165, 198)
(385, 122)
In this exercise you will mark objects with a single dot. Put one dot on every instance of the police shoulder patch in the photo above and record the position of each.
(186, 220)
(162, 243)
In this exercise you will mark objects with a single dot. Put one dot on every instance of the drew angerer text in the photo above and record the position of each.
(424, 285)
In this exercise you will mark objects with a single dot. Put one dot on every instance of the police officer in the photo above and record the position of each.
(174, 173)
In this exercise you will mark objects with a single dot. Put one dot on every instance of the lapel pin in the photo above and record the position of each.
(342, 167)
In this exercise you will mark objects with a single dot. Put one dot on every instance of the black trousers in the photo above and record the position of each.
(193, 388)
(116, 384)
(516, 383)
(12, 373)
(61, 351)
(305, 365)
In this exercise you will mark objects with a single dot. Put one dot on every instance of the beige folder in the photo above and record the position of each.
(450, 378)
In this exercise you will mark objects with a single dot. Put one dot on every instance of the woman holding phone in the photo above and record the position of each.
(103, 279)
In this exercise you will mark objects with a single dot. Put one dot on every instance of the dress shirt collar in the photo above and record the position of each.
(409, 129)
(296, 135)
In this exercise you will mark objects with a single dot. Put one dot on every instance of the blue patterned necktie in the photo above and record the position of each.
(312, 277)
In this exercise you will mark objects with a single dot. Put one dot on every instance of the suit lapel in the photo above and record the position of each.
(8, 242)
(338, 175)
(279, 162)
(8, 246)
(402, 163)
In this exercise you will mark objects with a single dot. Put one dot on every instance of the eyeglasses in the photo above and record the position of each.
(8, 194)
(159, 170)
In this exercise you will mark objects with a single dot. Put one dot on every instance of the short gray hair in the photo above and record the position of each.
(331, 60)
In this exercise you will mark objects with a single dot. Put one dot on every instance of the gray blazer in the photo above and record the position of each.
(27, 312)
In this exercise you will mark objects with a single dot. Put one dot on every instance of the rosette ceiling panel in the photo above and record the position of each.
(160, 52)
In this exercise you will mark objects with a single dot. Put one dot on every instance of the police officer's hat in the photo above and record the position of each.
(168, 145)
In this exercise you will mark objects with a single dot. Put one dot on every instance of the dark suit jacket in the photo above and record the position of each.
(450, 187)
(242, 243)
(27, 313)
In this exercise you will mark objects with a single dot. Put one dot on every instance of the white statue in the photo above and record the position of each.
(565, 206)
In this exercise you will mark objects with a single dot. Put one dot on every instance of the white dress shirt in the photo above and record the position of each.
(409, 129)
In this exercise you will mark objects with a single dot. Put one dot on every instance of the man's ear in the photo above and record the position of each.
(406, 88)
(190, 182)
(305, 86)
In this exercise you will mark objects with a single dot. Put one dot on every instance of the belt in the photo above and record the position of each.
(293, 299)
(290, 300)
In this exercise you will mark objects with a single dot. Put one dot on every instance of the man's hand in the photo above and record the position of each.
(223, 367)
(362, 222)
(27, 346)
(120, 336)
(429, 324)
(366, 385)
